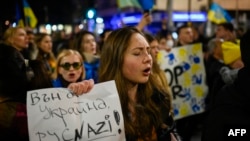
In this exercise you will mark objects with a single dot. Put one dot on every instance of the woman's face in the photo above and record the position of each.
(88, 44)
(19, 40)
(154, 45)
(137, 60)
(163, 43)
(71, 68)
(46, 44)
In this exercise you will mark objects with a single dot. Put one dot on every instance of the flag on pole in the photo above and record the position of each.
(19, 17)
(29, 15)
(146, 4)
(128, 3)
(218, 15)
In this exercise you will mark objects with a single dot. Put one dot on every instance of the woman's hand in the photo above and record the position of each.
(79, 88)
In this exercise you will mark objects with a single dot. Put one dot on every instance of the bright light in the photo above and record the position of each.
(81, 26)
(7, 22)
(48, 27)
(175, 35)
(14, 25)
(91, 14)
(60, 27)
(99, 20)
(100, 31)
(54, 28)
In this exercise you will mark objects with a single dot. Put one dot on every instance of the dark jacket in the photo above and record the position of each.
(13, 88)
(13, 79)
(230, 110)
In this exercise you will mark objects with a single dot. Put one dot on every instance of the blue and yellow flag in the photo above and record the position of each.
(218, 15)
(19, 17)
(128, 3)
(29, 15)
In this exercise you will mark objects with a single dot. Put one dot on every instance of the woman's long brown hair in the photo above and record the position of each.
(110, 69)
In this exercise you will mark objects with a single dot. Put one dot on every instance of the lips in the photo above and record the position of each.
(71, 75)
(147, 71)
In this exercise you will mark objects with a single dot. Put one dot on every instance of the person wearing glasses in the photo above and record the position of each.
(69, 68)
(15, 80)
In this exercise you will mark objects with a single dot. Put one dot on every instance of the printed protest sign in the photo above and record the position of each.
(185, 71)
(55, 114)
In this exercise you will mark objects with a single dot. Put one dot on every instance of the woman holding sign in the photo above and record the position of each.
(70, 69)
(126, 59)
(15, 80)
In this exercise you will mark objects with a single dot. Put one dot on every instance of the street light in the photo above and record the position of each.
(91, 13)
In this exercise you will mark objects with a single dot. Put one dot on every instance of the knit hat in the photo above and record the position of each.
(245, 48)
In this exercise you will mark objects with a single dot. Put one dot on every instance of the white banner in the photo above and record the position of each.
(55, 114)
(185, 71)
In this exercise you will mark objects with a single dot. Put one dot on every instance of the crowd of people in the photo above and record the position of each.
(127, 55)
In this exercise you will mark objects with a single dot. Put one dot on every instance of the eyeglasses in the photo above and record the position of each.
(75, 65)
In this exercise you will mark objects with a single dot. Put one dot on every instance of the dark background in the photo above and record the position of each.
(48, 11)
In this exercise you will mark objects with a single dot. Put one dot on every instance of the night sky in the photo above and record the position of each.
(47, 11)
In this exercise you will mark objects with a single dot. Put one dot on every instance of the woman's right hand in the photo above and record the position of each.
(82, 87)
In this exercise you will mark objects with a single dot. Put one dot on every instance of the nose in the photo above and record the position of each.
(147, 58)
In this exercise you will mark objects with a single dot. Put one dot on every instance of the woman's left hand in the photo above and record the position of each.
(82, 87)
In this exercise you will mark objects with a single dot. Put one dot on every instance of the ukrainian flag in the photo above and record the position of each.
(128, 3)
(19, 19)
(29, 15)
(218, 15)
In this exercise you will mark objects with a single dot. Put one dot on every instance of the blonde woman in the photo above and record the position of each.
(69, 68)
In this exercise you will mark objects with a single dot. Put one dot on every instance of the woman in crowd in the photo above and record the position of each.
(160, 83)
(126, 59)
(69, 68)
(158, 74)
(15, 80)
(85, 43)
(44, 43)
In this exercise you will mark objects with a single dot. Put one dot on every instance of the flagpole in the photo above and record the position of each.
(170, 13)
(189, 11)
(25, 18)
(237, 13)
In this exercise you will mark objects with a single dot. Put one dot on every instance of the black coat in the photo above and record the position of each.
(230, 110)
(13, 79)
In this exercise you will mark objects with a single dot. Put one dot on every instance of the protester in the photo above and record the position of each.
(126, 59)
(44, 44)
(231, 108)
(85, 43)
(69, 68)
(14, 84)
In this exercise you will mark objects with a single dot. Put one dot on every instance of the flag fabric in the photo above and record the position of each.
(29, 15)
(230, 51)
(19, 19)
(146, 4)
(218, 15)
(128, 3)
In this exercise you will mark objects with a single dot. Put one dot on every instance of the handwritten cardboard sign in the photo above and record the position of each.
(185, 71)
(55, 114)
